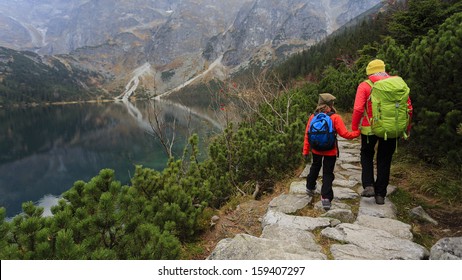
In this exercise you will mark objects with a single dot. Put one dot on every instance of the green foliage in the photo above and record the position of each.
(342, 83)
(103, 220)
(25, 78)
(436, 85)
(167, 75)
(264, 150)
(419, 18)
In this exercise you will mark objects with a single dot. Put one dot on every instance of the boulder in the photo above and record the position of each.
(289, 203)
(248, 247)
(449, 248)
(298, 222)
(395, 227)
(419, 214)
(367, 243)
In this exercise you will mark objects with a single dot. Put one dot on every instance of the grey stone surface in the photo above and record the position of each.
(348, 160)
(391, 189)
(354, 176)
(338, 176)
(298, 187)
(419, 214)
(336, 204)
(353, 252)
(289, 203)
(344, 182)
(368, 207)
(395, 227)
(373, 243)
(343, 215)
(298, 222)
(344, 155)
(352, 151)
(302, 238)
(248, 247)
(449, 248)
(344, 193)
(348, 166)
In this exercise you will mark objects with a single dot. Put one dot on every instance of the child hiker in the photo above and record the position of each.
(323, 145)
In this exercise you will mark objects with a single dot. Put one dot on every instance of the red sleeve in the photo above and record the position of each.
(306, 144)
(342, 130)
(360, 104)
(410, 109)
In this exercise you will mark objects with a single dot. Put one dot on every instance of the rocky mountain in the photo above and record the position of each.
(159, 45)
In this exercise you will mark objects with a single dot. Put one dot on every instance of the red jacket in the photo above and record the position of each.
(341, 129)
(362, 97)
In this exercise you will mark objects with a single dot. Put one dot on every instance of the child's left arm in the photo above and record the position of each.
(342, 130)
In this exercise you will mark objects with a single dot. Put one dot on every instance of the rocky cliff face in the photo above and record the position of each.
(179, 39)
(61, 26)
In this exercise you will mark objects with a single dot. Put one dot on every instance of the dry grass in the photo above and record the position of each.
(438, 191)
(242, 215)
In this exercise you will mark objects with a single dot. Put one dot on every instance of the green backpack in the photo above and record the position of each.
(390, 114)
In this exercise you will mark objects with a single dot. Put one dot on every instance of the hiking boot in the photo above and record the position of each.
(310, 192)
(325, 203)
(368, 192)
(379, 199)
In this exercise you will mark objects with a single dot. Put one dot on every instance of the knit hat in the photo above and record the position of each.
(375, 66)
(325, 100)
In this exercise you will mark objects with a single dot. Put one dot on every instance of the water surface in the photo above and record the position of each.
(45, 149)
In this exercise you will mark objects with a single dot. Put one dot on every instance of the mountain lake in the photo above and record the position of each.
(45, 149)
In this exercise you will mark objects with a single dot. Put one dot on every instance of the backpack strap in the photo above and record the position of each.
(336, 139)
(365, 115)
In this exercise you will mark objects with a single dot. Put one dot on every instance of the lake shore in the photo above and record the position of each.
(58, 103)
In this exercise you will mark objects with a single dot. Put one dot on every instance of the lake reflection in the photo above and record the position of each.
(44, 150)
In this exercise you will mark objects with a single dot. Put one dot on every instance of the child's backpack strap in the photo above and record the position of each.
(336, 138)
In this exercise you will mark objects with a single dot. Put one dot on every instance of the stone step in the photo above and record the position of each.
(374, 233)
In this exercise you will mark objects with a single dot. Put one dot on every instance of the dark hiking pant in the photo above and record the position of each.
(327, 163)
(385, 150)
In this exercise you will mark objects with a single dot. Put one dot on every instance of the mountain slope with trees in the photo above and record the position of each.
(428, 64)
(26, 77)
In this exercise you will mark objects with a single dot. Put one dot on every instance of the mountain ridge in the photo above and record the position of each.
(179, 39)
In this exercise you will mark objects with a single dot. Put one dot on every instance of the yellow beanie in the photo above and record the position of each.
(375, 66)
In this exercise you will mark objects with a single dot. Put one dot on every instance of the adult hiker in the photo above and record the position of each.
(321, 137)
(384, 116)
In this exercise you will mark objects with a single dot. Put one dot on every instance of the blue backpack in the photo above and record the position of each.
(322, 135)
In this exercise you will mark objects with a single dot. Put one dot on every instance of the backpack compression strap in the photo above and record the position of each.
(336, 139)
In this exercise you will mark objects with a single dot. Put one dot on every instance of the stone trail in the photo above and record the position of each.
(373, 233)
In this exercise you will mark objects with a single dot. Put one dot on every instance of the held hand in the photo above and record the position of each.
(407, 135)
